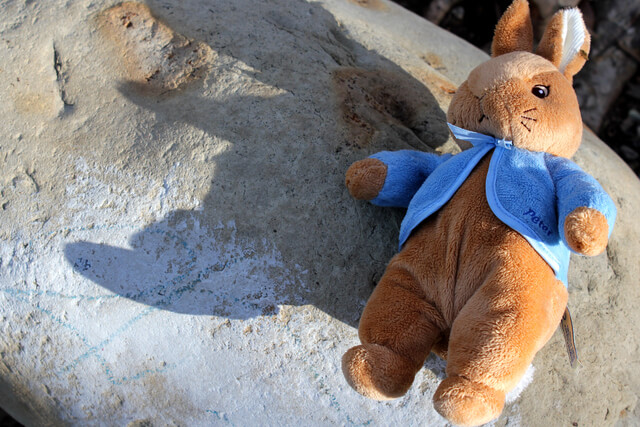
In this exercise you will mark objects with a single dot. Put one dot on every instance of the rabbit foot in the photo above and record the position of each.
(467, 403)
(377, 372)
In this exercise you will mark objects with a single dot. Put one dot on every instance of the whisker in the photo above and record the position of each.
(525, 126)
(529, 118)
(531, 109)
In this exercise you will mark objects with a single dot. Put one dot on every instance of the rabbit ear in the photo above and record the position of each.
(514, 31)
(566, 42)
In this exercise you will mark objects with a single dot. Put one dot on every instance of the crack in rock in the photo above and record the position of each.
(59, 68)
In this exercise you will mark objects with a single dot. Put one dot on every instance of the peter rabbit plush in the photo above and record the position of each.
(481, 276)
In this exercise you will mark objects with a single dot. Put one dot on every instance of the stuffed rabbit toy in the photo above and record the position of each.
(481, 276)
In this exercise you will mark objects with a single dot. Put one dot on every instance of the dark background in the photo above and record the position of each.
(7, 421)
(608, 87)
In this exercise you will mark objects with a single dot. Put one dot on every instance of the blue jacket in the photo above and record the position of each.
(531, 192)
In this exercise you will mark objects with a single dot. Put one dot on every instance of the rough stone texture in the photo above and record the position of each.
(156, 57)
(178, 248)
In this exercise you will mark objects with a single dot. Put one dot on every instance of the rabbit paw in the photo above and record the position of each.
(586, 231)
(365, 178)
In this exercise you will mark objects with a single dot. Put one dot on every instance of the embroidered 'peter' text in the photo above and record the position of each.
(533, 217)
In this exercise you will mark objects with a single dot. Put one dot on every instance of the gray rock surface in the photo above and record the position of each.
(176, 243)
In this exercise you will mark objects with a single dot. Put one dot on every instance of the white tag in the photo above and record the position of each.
(567, 331)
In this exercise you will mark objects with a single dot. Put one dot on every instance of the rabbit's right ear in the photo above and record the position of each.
(566, 42)
(514, 31)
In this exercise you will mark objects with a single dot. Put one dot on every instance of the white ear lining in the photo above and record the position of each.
(573, 35)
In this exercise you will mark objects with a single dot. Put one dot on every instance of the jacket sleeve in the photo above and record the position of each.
(575, 188)
(406, 171)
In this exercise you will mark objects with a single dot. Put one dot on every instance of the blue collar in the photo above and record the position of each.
(476, 138)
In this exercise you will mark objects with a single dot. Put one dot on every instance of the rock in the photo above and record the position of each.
(178, 248)
(156, 57)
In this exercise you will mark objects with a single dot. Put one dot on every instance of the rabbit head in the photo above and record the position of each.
(527, 97)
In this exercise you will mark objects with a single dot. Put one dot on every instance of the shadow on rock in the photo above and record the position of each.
(181, 267)
(277, 226)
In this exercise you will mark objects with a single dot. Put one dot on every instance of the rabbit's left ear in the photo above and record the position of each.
(566, 42)
(514, 31)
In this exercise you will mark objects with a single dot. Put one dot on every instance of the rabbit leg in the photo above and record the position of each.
(494, 339)
(397, 329)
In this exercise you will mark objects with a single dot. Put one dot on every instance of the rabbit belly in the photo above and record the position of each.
(464, 255)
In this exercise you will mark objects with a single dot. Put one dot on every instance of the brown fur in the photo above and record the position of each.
(365, 178)
(488, 294)
(514, 31)
(586, 230)
(465, 285)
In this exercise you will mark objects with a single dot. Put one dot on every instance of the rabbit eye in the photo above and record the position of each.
(540, 91)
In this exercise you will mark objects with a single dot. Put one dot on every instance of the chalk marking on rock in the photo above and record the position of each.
(95, 348)
(219, 417)
(53, 294)
(74, 331)
(319, 383)
(92, 349)
(173, 291)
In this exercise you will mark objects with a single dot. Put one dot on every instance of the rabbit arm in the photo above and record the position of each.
(586, 213)
(406, 171)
